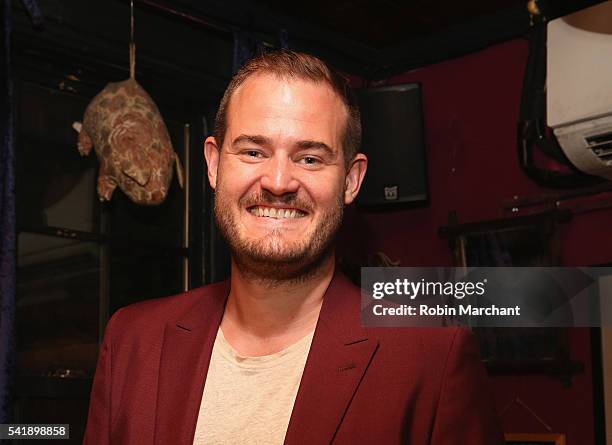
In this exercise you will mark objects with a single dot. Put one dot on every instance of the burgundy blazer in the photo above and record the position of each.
(359, 386)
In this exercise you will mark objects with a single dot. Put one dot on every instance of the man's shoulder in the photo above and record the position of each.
(427, 340)
(425, 352)
(151, 315)
(421, 335)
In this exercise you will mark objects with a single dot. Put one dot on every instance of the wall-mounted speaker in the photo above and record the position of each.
(392, 124)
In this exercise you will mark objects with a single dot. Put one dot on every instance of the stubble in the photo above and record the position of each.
(271, 258)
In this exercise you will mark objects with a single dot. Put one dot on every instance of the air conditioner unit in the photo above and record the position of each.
(579, 87)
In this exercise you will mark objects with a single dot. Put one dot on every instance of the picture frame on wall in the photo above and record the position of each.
(535, 439)
(523, 241)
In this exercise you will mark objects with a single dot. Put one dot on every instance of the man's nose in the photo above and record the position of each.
(278, 176)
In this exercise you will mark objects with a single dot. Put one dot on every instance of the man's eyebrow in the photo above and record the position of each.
(253, 139)
(317, 145)
(301, 145)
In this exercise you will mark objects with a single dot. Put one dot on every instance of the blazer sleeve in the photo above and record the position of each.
(97, 431)
(466, 413)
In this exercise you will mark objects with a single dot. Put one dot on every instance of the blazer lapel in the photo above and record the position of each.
(185, 357)
(338, 359)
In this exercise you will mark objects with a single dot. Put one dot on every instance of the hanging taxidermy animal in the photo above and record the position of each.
(124, 126)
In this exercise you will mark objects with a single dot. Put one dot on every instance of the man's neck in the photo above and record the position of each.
(262, 317)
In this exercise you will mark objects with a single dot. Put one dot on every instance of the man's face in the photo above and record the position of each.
(280, 177)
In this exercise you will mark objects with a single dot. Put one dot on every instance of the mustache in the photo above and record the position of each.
(266, 198)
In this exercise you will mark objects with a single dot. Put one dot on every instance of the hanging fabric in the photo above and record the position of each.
(247, 46)
(34, 12)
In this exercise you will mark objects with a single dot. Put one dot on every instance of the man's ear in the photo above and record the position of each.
(211, 153)
(354, 177)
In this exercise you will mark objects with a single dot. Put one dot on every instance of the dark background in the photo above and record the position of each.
(469, 58)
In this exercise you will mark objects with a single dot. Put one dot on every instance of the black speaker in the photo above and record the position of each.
(392, 123)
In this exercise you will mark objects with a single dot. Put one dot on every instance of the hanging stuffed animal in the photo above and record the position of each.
(131, 142)
(124, 126)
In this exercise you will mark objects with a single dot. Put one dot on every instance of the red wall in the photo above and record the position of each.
(471, 108)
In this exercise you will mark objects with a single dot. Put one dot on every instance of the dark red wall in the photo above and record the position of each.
(471, 110)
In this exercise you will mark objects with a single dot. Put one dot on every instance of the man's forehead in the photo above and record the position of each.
(311, 110)
(270, 89)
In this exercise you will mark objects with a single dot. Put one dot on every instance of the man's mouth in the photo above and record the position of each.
(274, 212)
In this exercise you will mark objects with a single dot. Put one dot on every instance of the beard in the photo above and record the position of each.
(271, 258)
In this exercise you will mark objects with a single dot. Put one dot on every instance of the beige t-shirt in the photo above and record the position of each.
(248, 400)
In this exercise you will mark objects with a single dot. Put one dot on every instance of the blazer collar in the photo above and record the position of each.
(339, 356)
(185, 357)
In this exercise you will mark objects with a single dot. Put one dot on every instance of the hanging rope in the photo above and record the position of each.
(132, 44)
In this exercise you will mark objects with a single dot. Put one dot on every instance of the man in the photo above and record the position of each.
(277, 354)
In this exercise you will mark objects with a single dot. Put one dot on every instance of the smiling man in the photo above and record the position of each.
(277, 354)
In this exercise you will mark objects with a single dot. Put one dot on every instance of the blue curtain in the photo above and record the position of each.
(7, 218)
(247, 46)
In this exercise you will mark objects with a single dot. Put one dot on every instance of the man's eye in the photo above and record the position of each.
(253, 154)
(309, 160)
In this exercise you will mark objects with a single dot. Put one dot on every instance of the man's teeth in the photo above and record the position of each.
(272, 212)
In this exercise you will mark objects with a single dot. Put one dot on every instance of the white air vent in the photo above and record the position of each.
(588, 145)
(579, 87)
(601, 146)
